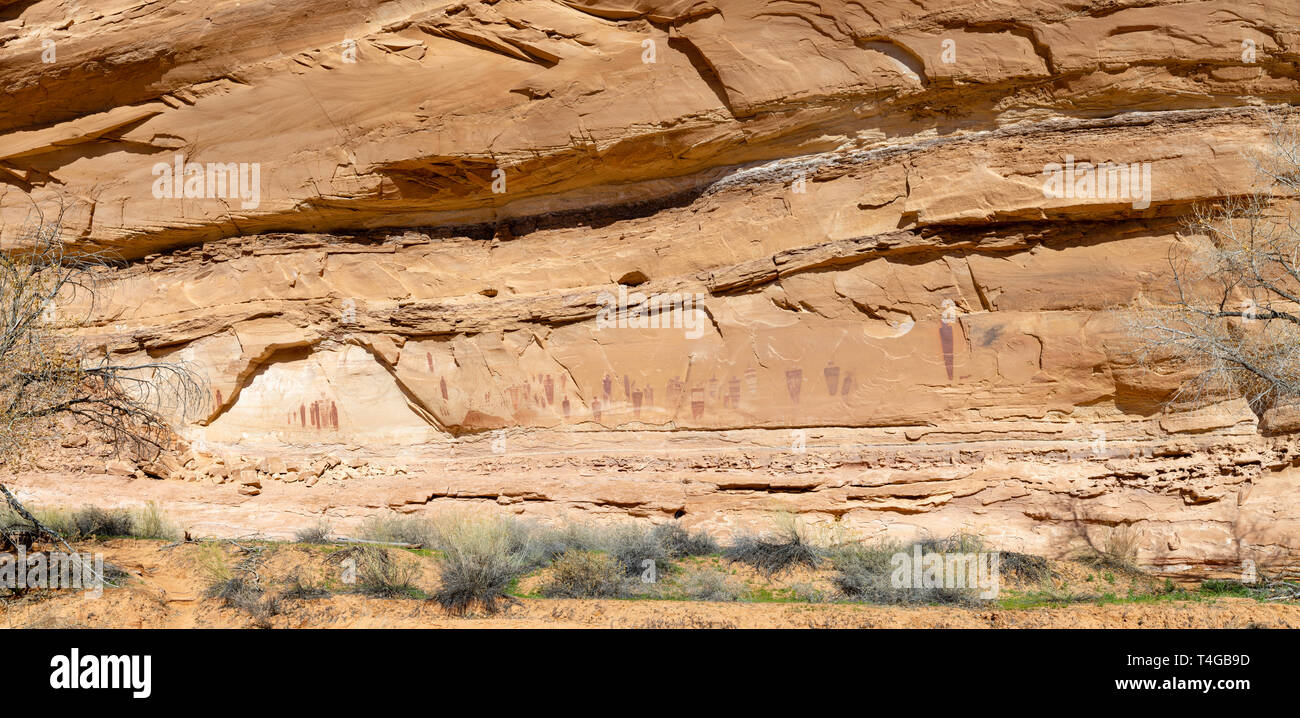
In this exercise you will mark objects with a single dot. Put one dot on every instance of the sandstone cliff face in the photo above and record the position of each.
(878, 310)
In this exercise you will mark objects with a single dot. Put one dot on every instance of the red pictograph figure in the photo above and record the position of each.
(847, 386)
(733, 392)
(674, 390)
(302, 415)
(595, 409)
(697, 402)
(607, 385)
(832, 375)
(636, 403)
(429, 358)
(566, 407)
(550, 389)
(442, 385)
(945, 341)
(794, 383)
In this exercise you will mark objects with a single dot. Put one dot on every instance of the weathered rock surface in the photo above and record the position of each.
(897, 326)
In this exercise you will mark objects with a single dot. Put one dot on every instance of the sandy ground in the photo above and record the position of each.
(167, 583)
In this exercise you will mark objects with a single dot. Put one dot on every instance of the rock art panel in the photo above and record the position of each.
(324, 397)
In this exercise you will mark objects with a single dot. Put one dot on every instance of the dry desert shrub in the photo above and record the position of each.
(585, 574)
(1119, 549)
(301, 586)
(317, 533)
(481, 558)
(398, 529)
(1228, 310)
(677, 542)
(554, 541)
(93, 521)
(711, 585)
(150, 522)
(864, 571)
(784, 548)
(383, 572)
(46, 293)
(235, 587)
(633, 545)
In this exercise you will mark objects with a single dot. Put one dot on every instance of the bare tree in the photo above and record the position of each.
(45, 371)
(1233, 316)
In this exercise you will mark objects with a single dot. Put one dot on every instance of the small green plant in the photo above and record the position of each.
(805, 592)
(1223, 587)
(1264, 589)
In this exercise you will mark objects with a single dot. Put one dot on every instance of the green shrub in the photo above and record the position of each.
(150, 522)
